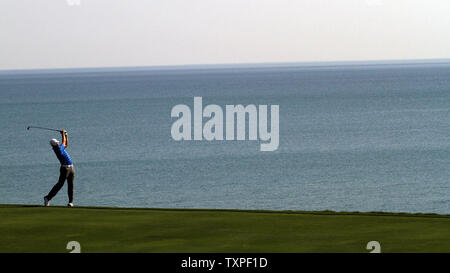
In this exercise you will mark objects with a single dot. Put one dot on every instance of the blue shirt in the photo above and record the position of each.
(62, 155)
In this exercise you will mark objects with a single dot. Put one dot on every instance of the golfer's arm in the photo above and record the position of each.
(65, 139)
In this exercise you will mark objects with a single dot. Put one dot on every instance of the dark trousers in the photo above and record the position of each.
(64, 173)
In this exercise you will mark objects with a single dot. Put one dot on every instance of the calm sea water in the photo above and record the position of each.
(352, 138)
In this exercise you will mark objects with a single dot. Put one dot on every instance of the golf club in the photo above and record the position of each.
(43, 128)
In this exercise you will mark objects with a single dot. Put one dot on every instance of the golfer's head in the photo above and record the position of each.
(54, 142)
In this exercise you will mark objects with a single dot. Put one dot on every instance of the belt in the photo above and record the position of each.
(66, 166)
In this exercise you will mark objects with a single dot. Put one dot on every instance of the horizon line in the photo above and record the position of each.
(229, 65)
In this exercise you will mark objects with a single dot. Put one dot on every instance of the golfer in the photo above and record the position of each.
(66, 171)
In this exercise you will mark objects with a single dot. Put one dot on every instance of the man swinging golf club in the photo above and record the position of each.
(66, 171)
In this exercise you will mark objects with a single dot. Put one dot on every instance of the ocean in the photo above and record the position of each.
(362, 137)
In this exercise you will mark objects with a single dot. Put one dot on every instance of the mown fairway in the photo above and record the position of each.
(48, 229)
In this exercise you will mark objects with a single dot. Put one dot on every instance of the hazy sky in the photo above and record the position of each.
(98, 33)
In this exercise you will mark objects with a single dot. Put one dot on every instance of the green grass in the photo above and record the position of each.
(48, 229)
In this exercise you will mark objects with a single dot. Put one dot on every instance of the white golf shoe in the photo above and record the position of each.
(46, 202)
(70, 205)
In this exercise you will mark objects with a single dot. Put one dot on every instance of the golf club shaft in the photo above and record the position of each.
(43, 128)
